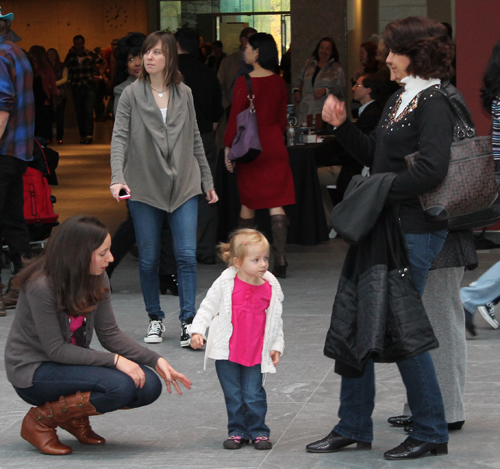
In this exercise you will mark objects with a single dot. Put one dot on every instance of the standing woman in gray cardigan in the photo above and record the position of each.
(64, 298)
(157, 157)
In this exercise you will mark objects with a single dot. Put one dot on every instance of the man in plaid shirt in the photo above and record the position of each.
(82, 73)
(17, 113)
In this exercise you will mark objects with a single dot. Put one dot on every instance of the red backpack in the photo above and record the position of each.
(38, 207)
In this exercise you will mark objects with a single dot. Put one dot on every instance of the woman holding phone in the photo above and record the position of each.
(157, 156)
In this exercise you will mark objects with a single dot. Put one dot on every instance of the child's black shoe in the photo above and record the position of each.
(235, 442)
(262, 442)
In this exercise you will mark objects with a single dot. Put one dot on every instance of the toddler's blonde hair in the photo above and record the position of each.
(237, 245)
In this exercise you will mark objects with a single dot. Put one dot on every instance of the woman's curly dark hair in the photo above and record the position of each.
(491, 79)
(425, 42)
(130, 44)
(335, 52)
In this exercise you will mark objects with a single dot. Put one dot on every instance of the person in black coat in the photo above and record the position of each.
(207, 99)
(417, 118)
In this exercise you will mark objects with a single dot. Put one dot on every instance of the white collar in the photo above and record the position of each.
(362, 108)
(414, 85)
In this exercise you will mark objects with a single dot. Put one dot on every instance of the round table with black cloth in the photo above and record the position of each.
(307, 217)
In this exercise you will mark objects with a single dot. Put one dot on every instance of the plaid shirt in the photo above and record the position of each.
(16, 98)
(81, 68)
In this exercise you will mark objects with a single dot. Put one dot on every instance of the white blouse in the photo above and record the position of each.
(414, 85)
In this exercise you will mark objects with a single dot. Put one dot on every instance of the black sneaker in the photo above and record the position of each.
(235, 442)
(185, 336)
(488, 313)
(262, 442)
(155, 330)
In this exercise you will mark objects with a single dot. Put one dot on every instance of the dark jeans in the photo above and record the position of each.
(84, 97)
(124, 239)
(109, 388)
(245, 398)
(357, 395)
(148, 221)
(207, 213)
(13, 227)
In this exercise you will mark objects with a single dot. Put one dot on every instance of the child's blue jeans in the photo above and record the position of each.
(245, 398)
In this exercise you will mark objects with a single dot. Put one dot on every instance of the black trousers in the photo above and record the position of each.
(13, 228)
(207, 213)
(84, 98)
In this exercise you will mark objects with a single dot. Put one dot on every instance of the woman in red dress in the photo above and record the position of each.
(267, 182)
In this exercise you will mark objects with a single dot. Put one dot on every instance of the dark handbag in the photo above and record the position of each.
(246, 144)
(470, 185)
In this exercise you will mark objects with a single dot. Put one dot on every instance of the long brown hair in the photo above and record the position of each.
(66, 263)
(40, 55)
(169, 48)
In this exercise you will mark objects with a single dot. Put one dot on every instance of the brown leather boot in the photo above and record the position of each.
(70, 413)
(246, 223)
(2, 303)
(80, 426)
(279, 226)
(11, 295)
(39, 429)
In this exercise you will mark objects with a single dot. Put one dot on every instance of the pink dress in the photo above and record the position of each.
(249, 322)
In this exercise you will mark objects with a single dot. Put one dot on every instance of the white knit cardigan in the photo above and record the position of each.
(215, 312)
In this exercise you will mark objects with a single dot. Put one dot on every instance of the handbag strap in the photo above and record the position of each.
(250, 96)
(464, 130)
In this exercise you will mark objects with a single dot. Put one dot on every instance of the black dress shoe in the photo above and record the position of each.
(451, 426)
(413, 449)
(456, 425)
(335, 442)
(401, 420)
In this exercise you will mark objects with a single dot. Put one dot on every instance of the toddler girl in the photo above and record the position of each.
(246, 336)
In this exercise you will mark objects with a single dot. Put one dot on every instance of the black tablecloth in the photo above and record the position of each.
(307, 216)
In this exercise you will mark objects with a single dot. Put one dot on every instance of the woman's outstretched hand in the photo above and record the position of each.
(171, 377)
(334, 111)
(212, 197)
(131, 369)
(116, 188)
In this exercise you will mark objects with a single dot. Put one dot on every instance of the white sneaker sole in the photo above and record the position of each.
(186, 343)
(486, 316)
(153, 340)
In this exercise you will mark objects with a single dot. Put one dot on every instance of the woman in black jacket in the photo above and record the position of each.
(417, 118)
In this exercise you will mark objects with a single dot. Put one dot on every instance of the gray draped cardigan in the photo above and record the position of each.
(163, 166)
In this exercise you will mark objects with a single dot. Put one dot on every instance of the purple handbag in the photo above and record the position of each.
(246, 144)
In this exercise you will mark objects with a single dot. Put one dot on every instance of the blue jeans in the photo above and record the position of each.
(110, 389)
(148, 221)
(245, 398)
(485, 290)
(357, 395)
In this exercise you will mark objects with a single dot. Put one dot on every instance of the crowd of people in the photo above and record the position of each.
(172, 93)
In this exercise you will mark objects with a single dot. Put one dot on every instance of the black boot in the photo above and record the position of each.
(279, 226)
(246, 223)
(169, 282)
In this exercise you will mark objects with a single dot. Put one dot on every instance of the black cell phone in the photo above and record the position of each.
(123, 194)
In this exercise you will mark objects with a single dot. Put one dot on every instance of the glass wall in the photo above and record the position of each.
(207, 16)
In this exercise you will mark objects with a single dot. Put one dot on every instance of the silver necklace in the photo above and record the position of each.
(160, 92)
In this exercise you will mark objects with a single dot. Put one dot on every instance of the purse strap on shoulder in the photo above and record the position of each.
(463, 129)
(250, 96)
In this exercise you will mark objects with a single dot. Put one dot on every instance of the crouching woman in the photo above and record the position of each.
(64, 297)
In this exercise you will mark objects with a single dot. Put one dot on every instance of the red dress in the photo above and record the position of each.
(267, 181)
